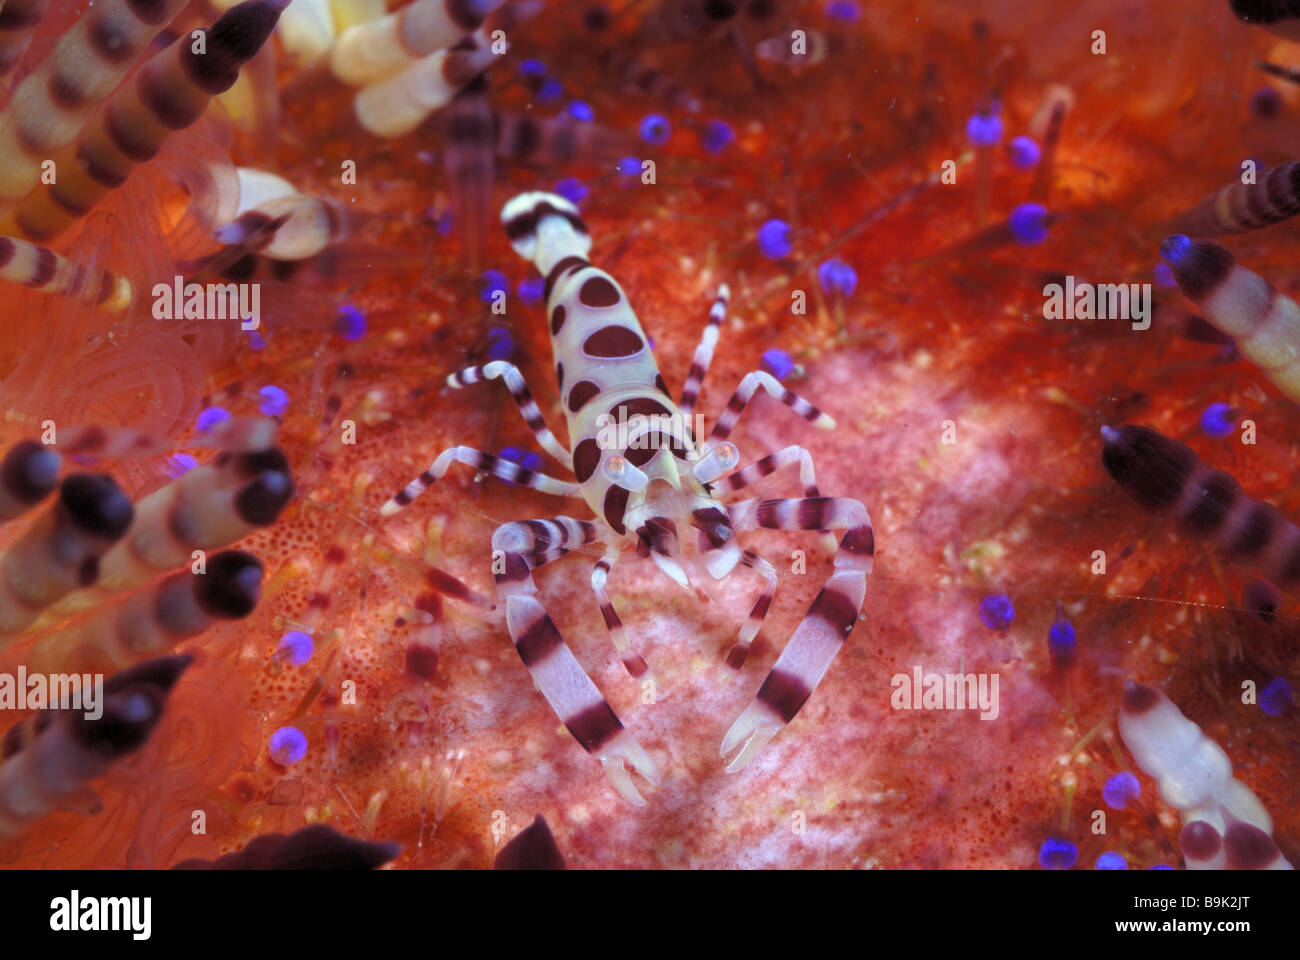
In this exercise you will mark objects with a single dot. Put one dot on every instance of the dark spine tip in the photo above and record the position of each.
(125, 725)
(1262, 599)
(242, 29)
(29, 471)
(1199, 265)
(317, 847)
(232, 585)
(320, 847)
(533, 849)
(273, 458)
(1148, 466)
(1138, 698)
(96, 505)
(161, 673)
(1263, 11)
(133, 704)
(261, 501)
(232, 41)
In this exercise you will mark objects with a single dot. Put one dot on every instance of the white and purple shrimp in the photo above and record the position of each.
(637, 464)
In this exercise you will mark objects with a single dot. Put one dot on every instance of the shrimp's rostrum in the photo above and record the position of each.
(639, 466)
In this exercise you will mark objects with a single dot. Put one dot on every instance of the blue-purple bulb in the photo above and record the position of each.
(1217, 420)
(288, 745)
(351, 323)
(209, 418)
(774, 239)
(778, 363)
(296, 648)
(179, 464)
(1028, 223)
(492, 282)
(845, 11)
(717, 136)
(997, 611)
(984, 129)
(272, 401)
(525, 458)
(1061, 641)
(1120, 789)
(1025, 153)
(836, 276)
(655, 129)
(500, 345)
(1276, 697)
(550, 91)
(1057, 853)
(1175, 248)
(571, 189)
(531, 289)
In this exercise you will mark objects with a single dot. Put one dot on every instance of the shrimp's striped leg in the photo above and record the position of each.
(745, 392)
(754, 622)
(514, 380)
(632, 660)
(519, 548)
(704, 352)
(825, 626)
(770, 464)
(487, 463)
